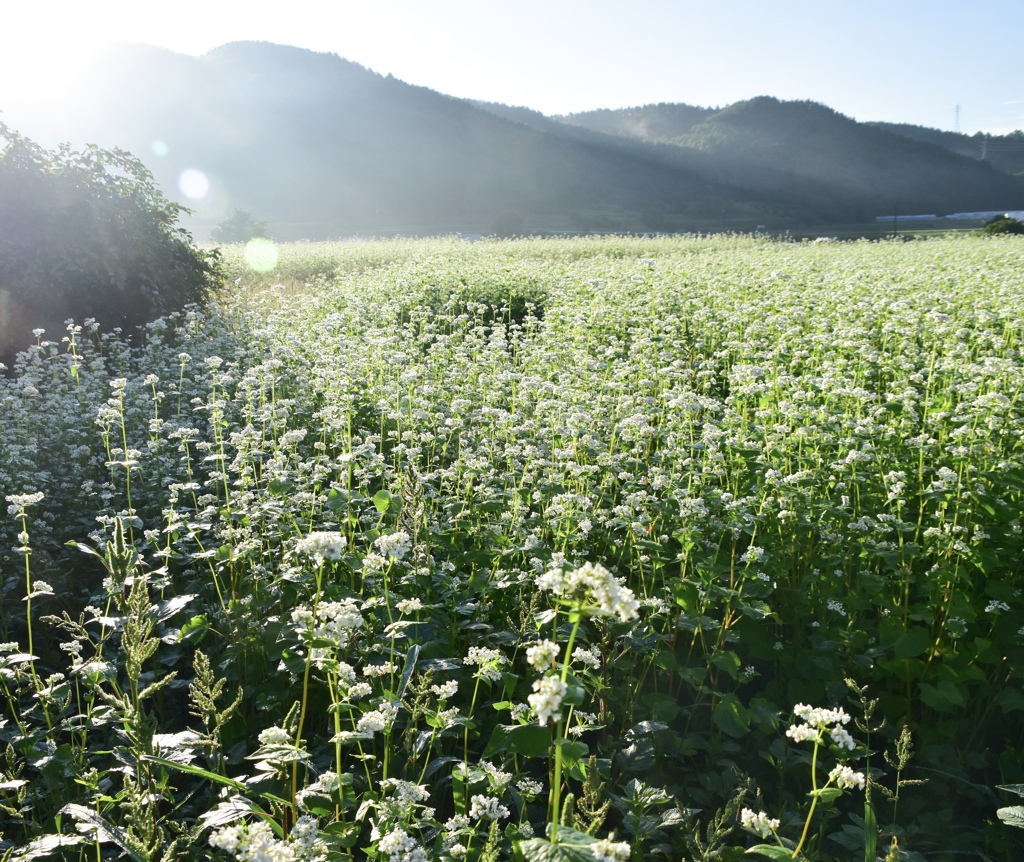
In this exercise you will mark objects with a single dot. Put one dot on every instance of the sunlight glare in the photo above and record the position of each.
(194, 184)
(261, 255)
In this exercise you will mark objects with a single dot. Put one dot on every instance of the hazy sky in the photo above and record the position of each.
(899, 60)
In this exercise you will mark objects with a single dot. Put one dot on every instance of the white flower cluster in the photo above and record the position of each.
(486, 808)
(275, 736)
(817, 721)
(394, 545)
(19, 502)
(543, 655)
(845, 778)
(610, 851)
(408, 606)
(546, 701)
(488, 662)
(758, 822)
(399, 846)
(376, 720)
(334, 622)
(325, 785)
(593, 588)
(323, 544)
(446, 690)
(256, 842)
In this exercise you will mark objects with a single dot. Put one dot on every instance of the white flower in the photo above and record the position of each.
(324, 544)
(846, 778)
(610, 851)
(546, 702)
(593, 588)
(275, 736)
(486, 807)
(394, 545)
(543, 655)
(399, 846)
(446, 690)
(758, 822)
(488, 662)
(408, 606)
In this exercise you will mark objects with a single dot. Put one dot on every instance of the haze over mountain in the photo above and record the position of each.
(322, 147)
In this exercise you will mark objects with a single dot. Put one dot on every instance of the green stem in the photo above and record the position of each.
(814, 797)
(556, 785)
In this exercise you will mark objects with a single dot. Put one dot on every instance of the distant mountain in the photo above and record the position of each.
(322, 147)
(1003, 152)
(805, 154)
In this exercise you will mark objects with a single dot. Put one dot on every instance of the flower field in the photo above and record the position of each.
(581, 550)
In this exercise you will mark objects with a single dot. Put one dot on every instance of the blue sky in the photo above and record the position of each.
(901, 60)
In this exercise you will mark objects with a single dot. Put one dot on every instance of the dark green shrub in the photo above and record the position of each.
(1002, 224)
(87, 234)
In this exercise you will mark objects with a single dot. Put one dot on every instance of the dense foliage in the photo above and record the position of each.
(568, 550)
(1003, 224)
(87, 234)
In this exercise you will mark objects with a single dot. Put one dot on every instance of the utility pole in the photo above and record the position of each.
(956, 119)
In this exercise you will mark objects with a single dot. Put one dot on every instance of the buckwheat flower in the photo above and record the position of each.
(845, 778)
(275, 736)
(593, 589)
(376, 720)
(802, 733)
(446, 690)
(546, 701)
(833, 605)
(543, 655)
(22, 501)
(486, 808)
(399, 846)
(394, 545)
(488, 662)
(610, 851)
(587, 656)
(994, 606)
(324, 544)
(841, 738)
(228, 839)
(408, 606)
(39, 588)
(758, 822)
(529, 789)
(325, 785)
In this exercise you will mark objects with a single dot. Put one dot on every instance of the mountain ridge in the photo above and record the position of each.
(321, 147)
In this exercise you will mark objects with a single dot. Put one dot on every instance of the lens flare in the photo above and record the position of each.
(194, 184)
(261, 255)
(160, 149)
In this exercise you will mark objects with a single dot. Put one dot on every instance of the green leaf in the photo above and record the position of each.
(381, 501)
(911, 643)
(212, 776)
(572, 846)
(104, 831)
(772, 851)
(944, 697)
(1016, 789)
(281, 487)
(43, 846)
(870, 833)
(529, 740)
(826, 794)
(1012, 816)
(730, 716)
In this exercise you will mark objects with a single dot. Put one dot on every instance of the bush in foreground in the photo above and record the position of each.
(87, 234)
